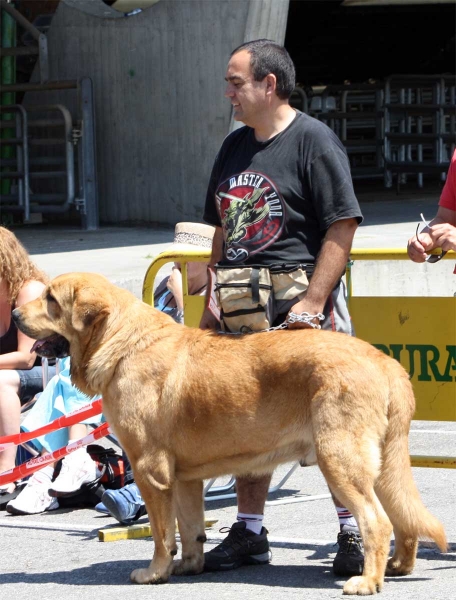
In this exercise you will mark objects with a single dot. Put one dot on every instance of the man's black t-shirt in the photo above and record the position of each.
(276, 199)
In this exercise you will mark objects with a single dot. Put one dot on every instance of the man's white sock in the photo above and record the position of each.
(347, 521)
(252, 522)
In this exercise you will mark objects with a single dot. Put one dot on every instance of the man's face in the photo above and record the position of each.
(247, 96)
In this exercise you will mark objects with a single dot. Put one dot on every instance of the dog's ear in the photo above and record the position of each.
(88, 308)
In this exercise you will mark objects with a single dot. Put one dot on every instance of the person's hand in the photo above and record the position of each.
(174, 285)
(303, 306)
(443, 236)
(208, 320)
(416, 249)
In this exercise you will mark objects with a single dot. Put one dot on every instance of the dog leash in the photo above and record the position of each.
(303, 317)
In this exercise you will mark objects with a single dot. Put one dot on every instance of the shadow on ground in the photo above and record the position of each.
(283, 576)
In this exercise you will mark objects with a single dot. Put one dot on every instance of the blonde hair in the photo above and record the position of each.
(16, 268)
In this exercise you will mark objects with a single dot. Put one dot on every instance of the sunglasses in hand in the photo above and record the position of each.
(431, 258)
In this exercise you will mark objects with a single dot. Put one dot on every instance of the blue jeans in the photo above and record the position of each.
(32, 382)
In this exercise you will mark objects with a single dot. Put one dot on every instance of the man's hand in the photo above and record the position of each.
(305, 306)
(417, 249)
(208, 321)
(443, 236)
(441, 233)
(174, 284)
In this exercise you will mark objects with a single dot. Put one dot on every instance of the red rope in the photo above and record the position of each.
(35, 464)
(81, 414)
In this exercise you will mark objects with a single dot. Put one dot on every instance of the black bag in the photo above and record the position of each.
(110, 475)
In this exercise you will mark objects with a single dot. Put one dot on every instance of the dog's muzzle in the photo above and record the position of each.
(54, 346)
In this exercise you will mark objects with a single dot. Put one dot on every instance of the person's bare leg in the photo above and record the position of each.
(252, 493)
(10, 417)
(77, 431)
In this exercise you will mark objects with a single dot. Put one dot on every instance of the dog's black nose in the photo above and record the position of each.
(16, 314)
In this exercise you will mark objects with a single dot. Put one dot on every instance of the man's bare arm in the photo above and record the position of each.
(330, 265)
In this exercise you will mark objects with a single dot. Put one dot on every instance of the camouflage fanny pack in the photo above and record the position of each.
(245, 294)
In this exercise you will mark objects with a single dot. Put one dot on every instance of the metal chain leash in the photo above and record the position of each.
(304, 317)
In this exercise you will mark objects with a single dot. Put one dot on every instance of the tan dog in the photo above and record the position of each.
(188, 405)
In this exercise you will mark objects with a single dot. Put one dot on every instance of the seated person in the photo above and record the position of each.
(60, 397)
(126, 504)
(168, 295)
(21, 376)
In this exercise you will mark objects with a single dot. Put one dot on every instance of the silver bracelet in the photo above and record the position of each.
(305, 317)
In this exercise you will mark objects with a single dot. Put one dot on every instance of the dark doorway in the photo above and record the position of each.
(331, 43)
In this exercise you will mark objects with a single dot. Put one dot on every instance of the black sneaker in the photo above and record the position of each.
(240, 547)
(349, 559)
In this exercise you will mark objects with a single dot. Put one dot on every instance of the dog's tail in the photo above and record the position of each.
(395, 486)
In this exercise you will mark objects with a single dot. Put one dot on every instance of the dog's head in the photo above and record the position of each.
(68, 311)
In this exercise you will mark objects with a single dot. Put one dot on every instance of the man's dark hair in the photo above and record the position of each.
(267, 57)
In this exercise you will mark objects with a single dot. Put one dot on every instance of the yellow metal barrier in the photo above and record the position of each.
(193, 305)
(421, 334)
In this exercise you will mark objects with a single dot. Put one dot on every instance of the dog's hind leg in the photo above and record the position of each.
(396, 488)
(392, 497)
(351, 476)
(190, 519)
(403, 560)
(157, 492)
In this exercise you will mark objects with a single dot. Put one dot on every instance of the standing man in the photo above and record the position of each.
(280, 197)
(441, 232)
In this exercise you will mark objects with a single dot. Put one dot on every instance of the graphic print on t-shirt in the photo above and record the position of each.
(252, 214)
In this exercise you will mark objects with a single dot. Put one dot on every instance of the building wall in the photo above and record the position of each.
(158, 82)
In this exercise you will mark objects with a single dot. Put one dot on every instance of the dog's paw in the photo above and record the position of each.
(188, 566)
(361, 586)
(397, 568)
(143, 576)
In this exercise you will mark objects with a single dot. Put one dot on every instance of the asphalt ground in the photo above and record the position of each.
(58, 555)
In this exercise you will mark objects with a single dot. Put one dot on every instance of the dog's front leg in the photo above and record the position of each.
(160, 508)
(190, 519)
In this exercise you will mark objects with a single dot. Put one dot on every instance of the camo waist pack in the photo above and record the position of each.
(245, 294)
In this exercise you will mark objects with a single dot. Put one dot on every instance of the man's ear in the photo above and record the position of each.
(271, 83)
(88, 309)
